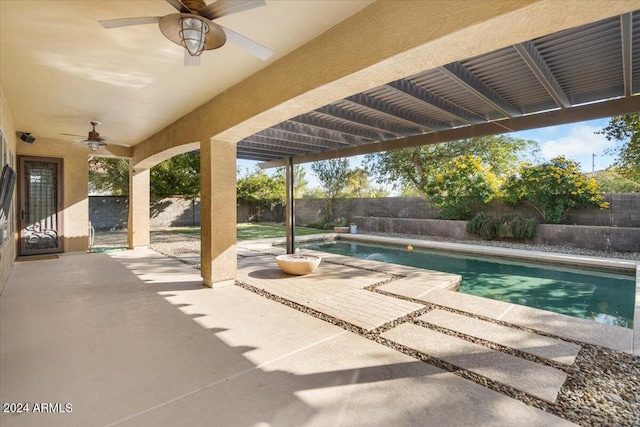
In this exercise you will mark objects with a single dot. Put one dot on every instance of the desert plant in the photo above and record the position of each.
(509, 226)
(513, 226)
(482, 225)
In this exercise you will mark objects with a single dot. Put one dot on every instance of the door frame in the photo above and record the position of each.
(22, 251)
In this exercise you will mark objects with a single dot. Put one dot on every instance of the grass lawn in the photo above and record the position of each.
(258, 231)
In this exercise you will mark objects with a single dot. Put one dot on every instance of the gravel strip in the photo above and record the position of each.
(602, 388)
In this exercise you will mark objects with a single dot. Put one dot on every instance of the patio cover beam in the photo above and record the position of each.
(626, 27)
(457, 72)
(290, 211)
(277, 137)
(282, 150)
(376, 124)
(318, 134)
(382, 107)
(328, 122)
(552, 118)
(434, 101)
(541, 70)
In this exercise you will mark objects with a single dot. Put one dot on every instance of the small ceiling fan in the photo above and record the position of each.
(193, 28)
(94, 140)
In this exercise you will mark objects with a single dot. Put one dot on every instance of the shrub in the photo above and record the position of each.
(462, 182)
(482, 225)
(552, 188)
(509, 226)
(512, 226)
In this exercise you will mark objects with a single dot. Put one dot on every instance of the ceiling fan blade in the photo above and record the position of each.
(179, 6)
(247, 44)
(125, 22)
(73, 134)
(227, 7)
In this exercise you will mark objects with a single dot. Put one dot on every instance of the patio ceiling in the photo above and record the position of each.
(578, 74)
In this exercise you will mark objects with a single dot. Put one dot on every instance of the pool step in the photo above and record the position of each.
(541, 381)
(526, 342)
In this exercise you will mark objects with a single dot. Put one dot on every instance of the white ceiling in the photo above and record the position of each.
(60, 69)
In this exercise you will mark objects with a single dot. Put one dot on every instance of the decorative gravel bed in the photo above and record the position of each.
(602, 387)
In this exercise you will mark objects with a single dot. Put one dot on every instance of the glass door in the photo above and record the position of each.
(40, 213)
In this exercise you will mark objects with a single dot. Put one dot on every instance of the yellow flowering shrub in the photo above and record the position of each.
(462, 181)
(552, 188)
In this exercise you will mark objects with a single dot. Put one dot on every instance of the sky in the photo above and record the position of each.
(576, 141)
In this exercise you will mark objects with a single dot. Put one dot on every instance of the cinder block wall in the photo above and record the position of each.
(175, 212)
(110, 212)
(604, 238)
(624, 210)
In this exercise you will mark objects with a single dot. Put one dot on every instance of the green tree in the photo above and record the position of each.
(300, 182)
(177, 176)
(461, 182)
(414, 169)
(109, 175)
(262, 192)
(612, 181)
(314, 193)
(552, 188)
(358, 185)
(626, 129)
(333, 176)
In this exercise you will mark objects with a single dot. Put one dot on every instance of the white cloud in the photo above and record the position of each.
(580, 140)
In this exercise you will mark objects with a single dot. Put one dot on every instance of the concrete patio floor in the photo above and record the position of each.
(133, 338)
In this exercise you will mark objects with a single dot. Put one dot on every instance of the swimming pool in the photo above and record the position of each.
(605, 297)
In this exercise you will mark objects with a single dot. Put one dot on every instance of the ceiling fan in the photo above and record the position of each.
(94, 140)
(193, 28)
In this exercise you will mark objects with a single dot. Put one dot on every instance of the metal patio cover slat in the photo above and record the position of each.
(598, 62)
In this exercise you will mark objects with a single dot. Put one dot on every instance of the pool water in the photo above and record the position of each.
(602, 296)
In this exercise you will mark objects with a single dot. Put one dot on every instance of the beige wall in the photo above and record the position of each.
(8, 251)
(76, 176)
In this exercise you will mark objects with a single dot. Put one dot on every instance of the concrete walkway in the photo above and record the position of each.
(132, 338)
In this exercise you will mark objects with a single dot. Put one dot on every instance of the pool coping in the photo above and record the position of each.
(521, 254)
(562, 259)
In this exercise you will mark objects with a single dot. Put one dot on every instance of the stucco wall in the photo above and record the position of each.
(8, 251)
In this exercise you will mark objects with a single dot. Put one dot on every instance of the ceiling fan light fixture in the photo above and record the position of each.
(193, 34)
(93, 145)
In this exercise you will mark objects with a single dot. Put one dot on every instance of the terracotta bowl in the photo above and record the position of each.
(298, 264)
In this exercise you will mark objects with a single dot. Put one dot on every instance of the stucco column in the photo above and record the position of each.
(218, 214)
(139, 211)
